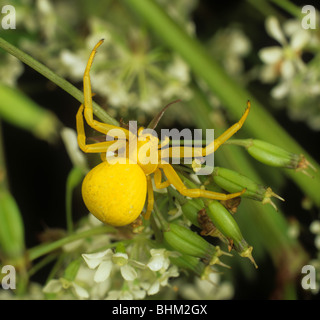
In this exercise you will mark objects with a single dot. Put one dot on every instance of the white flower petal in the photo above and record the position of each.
(287, 69)
(269, 73)
(120, 258)
(113, 295)
(292, 26)
(94, 221)
(94, 259)
(299, 40)
(139, 294)
(53, 286)
(99, 290)
(137, 264)
(128, 273)
(154, 288)
(80, 292)
(172, 272)
(103, 272)
(271, 54)
(274, 30)
(226, 291)
(125, 295)
(156, 263)
(280, 91)
(315, 227)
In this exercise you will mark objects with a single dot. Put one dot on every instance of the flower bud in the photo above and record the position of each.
(11, 229)
(232, 181)
(226, 224)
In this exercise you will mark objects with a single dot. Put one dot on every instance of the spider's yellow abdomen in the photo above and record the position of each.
(115, 193)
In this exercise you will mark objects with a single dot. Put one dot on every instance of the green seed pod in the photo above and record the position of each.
(189, 263)
(22, 112)
(224, 221)
(190, 210)
(196, 214)
(190, 243)
(12, 245)
(274, 156)
(232, 181)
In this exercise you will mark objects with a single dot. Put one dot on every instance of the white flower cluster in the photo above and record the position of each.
(113, 275)
(127, 72)
(297, 80)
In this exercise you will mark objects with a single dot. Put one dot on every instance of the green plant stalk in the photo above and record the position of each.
(264, 7)
(289, 7)
(46, 248)
(3, 171)
(74, 178)
(62, 83)
(227, 90)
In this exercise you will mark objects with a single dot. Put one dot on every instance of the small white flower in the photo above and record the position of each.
(315, 227)
(74, 63)
(119, 295)
(56, 286)
(162, 280)
(159, 260)
(207, 289)
(283, 61)
(105, 261)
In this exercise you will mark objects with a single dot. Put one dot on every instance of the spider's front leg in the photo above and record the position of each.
(181, 152)
(88, 109)
(175, 180)
(228, 133)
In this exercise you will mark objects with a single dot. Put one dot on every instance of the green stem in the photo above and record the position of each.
(62, 83)
(74, 178)
(3, 171)
(46, 248)
(260, 123)
(240, 142)
(289, 7)
(38, 266)
(264, 7)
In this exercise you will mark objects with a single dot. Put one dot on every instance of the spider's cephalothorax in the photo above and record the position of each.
(115, 191)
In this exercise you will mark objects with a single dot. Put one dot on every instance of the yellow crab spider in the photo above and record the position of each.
(116, 192)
